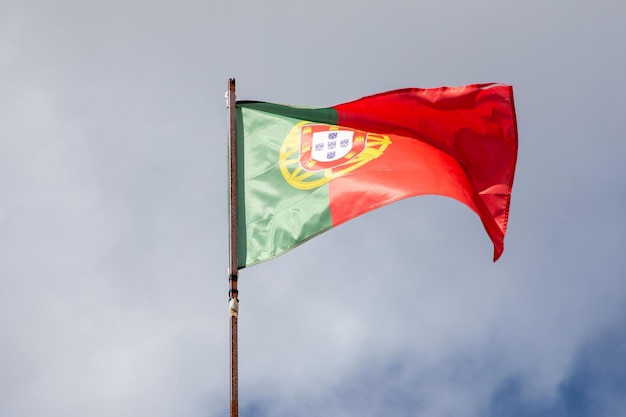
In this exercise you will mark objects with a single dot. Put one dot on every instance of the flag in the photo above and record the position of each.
(302, 171)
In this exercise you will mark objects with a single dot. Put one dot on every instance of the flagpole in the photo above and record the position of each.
(233, 301)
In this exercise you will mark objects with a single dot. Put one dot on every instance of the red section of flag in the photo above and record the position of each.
(459, 142)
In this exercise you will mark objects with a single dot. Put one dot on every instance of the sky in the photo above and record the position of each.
(114, 227)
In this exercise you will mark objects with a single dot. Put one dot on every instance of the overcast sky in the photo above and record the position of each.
(113, 220)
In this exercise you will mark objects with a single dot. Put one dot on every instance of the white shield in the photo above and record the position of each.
(331, 145)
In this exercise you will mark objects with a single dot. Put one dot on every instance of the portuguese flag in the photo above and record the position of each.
(302, 171)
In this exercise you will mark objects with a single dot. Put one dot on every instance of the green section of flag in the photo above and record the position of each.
(273, 216)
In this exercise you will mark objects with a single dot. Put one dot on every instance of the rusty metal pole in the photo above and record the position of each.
(233, 294)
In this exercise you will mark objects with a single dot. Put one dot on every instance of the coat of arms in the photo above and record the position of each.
(312, 154)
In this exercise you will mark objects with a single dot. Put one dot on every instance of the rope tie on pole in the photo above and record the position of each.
(232, 292)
